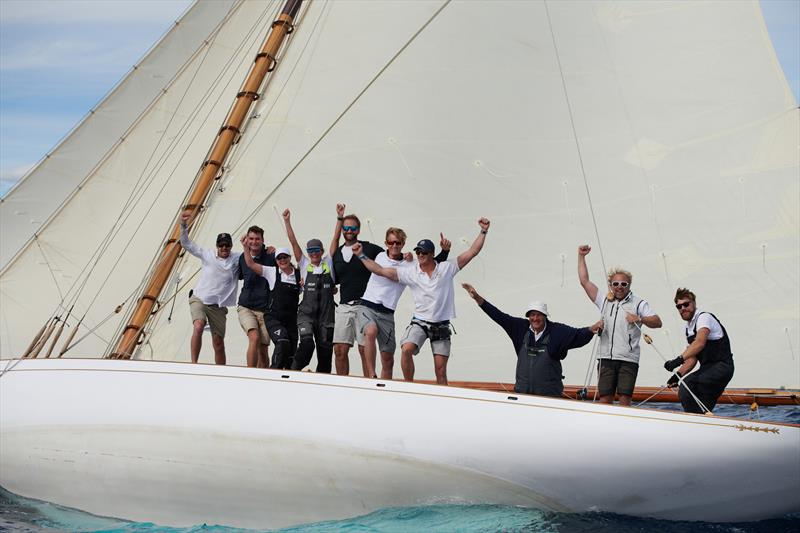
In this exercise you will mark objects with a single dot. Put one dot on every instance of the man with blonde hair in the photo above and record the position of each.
(623, 314)
(375, 316)
(710, 346)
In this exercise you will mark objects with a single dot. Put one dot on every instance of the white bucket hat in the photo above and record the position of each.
(536, 305)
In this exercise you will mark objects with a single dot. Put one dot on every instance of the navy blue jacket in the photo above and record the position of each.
(539, 363)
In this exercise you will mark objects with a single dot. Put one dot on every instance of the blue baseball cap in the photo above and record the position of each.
(425, 245)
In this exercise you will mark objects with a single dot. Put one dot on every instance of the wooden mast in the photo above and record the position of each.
(265, 62)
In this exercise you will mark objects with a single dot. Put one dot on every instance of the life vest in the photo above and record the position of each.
(317, 304)
(620, 339)
(538, 372)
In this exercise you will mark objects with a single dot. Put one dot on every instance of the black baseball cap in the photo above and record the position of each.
(425, 245)
(224, 238)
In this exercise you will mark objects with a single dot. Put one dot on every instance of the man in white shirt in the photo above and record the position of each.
(710, 346)
(431, 284)
(215, 290)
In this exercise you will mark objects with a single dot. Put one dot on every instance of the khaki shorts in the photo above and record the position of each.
(383, 321)
(417, 336)
(251, 319)
(616, 377)
(344, 329)
(212, 314)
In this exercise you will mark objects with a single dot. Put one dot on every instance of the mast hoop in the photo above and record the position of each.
(273, 61)
(289, 26)
(255, 95)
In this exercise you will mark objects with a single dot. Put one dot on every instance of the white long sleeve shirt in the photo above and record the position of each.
(219, 278)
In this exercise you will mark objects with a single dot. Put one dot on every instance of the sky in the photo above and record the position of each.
(58, 58)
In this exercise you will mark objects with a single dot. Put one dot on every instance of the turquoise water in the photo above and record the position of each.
(23, 515)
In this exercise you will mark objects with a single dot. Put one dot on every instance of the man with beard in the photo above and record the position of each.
(352, 278)
(710, 346)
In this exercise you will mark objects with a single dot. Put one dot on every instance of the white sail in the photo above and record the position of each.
(663, 133)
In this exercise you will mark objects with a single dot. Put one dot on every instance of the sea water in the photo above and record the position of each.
(23, 515)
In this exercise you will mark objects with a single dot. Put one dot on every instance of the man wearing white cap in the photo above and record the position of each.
(280, 315)
(540, 344)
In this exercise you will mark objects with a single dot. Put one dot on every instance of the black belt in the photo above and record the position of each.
(377, 307)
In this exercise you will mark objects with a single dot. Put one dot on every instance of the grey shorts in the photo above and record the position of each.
(344, 329)
(252, 319)
(384, 323)
(616, 377)
(214, 315)
(417, 336)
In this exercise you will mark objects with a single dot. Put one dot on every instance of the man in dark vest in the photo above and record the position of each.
(280, 317)
(540, 344)
(710, 346)
(352, 277)
(254, 298)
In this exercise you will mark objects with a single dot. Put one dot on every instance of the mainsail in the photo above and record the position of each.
(663, 133)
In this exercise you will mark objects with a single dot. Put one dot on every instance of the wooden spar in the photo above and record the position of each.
(265, 62)
(762, 397)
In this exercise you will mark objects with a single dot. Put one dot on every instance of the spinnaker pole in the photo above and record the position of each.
(264, 63)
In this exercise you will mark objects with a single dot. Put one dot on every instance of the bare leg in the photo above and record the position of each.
(387, 365)
(197, 339)
(263, 356)
(342, 353)
(219, 349)
(407, 360)
(369, 351)
(252, 347)
(625, 400)
(440, 366)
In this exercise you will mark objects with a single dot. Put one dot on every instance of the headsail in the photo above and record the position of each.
(427, 115)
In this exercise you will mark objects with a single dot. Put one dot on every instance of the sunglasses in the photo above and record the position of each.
(349, 228)
(394, 243)
(314, 250)
(683, 305)
(619, 283)
(422, 252)
(282, 257)
(223, 245)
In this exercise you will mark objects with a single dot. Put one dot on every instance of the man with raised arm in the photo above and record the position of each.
(315, 314)
(215, 290)
(623, 314)
(280, 316)
(431, 284)
(540, 344)
(375, 321)
(710, 346)
(254, 298)
(352, 278)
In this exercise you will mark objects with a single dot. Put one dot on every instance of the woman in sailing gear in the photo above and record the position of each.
(375, 320)
(255, 297)
(540, 344)
(280, 316)
(315, 314)
(352, 278)
(431, 284)
(215, 290)
(623, 314)
(710, 346)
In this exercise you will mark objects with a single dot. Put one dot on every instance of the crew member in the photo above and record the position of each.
(540, 344)
(254, 298)
(215, 290)
(623, 314)
(352, 278)
(431, 284)
(710, 346)
(315, 314)
(280, 316)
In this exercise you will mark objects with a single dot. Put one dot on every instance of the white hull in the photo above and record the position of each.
(180, 444)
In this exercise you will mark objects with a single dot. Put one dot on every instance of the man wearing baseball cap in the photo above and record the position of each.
(215, 290)
(540, 344)
(431, 285)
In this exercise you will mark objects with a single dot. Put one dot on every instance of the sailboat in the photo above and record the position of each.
(662, 132)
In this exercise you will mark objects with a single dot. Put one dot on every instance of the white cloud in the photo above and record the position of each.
(92, 11)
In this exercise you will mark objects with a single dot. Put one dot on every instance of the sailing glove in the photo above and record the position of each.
(673, 381)
(669, 366)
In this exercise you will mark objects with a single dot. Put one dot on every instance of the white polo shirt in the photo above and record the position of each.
(433, 295)
(705, 320)
(219, 278)
(269, 273)
(382, 290)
